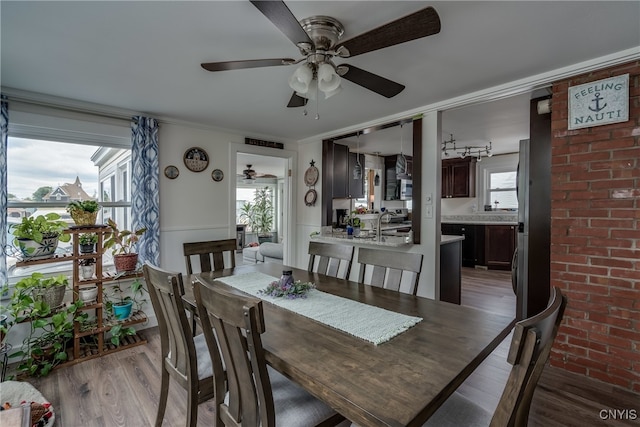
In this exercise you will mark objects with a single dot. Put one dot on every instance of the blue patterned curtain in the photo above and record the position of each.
(4, 133)
(144, 187)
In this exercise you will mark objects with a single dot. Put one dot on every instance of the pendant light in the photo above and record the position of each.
(376, 179)
(401, 163)
(357, 170)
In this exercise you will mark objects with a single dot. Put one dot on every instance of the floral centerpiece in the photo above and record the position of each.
(290, 290)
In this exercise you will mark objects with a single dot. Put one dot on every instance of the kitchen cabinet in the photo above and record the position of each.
(459, 178)
(450, 274)
(473, 243)
(344, 162)
(500, 243)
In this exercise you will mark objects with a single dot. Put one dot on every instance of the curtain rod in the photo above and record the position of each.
(74, 109)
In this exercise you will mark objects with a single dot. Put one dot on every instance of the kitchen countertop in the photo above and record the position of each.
(342, 237)
(450, 239)
(393, 241)
(489, 218)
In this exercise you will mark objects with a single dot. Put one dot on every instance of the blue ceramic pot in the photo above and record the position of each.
(122, 311)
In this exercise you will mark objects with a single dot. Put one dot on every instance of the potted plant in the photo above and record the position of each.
(87, 268)
(122, 243)
(83, 212)
(37, 237)
(121, 306)
(353, 225)
(49, 332)
(49, 290)
(259, 214)
(88, 242)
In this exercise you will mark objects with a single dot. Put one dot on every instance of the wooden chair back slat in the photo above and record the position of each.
(329, 258)
(529, 351)
(238, 321)
(389, 268)
(210, 254)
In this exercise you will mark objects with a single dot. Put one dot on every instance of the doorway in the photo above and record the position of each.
(263, 172)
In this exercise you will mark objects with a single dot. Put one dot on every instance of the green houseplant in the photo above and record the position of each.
(37, 237)
(122, 244)
(45, 289)
(50, 329)
(87, 242)
(83, 212)
(120, 306)
(258, 214)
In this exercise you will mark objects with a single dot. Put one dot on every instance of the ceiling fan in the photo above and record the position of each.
(318, 39)
(250, 175)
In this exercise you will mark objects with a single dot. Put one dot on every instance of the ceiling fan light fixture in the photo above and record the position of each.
(311, 91)
(301, 79)
(329, 94)
(328, 79)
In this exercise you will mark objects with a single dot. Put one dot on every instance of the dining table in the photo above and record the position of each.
(399, 382)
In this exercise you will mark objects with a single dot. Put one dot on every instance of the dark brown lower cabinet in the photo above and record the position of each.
(499, 244)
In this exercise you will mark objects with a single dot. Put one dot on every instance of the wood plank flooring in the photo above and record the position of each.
(122, 389)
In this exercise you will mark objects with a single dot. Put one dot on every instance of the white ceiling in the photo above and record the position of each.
(145, 57)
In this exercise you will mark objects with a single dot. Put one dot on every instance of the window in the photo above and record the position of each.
(44, 176)
(501, 190)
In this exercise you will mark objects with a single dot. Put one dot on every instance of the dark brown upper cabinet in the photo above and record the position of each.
(459, 178)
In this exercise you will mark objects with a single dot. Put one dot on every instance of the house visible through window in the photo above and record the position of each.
(44, 176)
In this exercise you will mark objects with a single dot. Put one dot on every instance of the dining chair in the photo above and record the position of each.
(185, 358)
(257, 394)
(211, 256)
(528, 353)
(388, 268)
(330, 258)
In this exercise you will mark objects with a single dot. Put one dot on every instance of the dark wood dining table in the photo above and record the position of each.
(401, 382)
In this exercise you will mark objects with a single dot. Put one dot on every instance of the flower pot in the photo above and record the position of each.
(88, 294)
(82, 218)
(52, 296)
(87, 271)
(125, 262)
(33, 250)
(122, 311)
(87, 248)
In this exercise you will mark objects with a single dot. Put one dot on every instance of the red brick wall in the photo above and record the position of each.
(595, 237)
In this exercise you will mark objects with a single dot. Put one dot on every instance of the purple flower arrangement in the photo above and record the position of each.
(291, 290)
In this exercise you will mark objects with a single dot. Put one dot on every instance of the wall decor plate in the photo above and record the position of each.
(217, 175)
(310, 197)
(311, 175)
(171, 172)
(196, 159)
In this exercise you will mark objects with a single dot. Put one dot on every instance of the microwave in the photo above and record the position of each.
(406, 189)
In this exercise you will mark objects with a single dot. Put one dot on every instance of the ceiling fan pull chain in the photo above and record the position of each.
(317, 112)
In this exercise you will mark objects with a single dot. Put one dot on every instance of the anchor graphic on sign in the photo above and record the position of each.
(597, 100)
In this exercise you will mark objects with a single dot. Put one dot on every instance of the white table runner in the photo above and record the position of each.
(373, 324)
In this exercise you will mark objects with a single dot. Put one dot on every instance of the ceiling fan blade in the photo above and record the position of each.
(250, 63)
(420, 24)
(297, 101)
(279, 14)
(373, 82)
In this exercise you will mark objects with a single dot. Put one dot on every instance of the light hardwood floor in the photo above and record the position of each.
(122, 389)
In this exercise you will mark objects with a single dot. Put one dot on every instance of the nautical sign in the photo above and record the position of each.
(599, 103)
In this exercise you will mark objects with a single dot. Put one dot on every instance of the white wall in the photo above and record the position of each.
(193, 207)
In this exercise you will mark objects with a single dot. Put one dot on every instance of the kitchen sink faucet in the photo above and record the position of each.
(378, 230)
